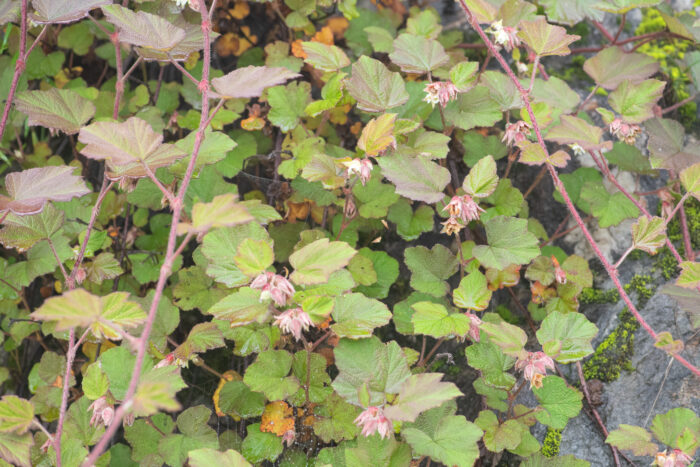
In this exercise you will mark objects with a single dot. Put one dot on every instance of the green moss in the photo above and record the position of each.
(614, 353)
(590, 295)
(641, 285)
(550, 445)
(666, 263)
(692, 214)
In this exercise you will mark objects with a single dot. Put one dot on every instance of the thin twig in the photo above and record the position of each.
(689, 252)
(58, 260)
(19, 67)
(679, 104)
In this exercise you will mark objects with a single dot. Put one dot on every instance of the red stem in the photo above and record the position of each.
(170, 255)
(612, 272)
(689, 252)
(19, 67)
(119, 85)
(604, 31)
(679, 104)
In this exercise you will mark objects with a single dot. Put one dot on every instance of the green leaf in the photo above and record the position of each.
(127, 147)
(15, 448)
(206, 457)
(666, 145)
(678, 428)
(473, 108)
(386, 269)
(58, 109)
(30, 190)
(241, 307)
(623, 6)
(482, 179)
(314, 263)
(430, 268)
(690, 275)
(250, 81)
(612, 65)
(334, 420)
(194, 433)
(419, 393)
(545, 39)
(214, 148)
(156, 391)
(444, 436)
(378, 134)
(144, 436)
(374, 87)
(433, 319)
(506, 201)
(375, 197)
(566, 337)
(574, 130)
(319, 381)
(356, 316)
(287, 104)
(690, 178)
(560, 402)
(429, 144)
(411, 224)
(629, 158)
(632, 438)
(325, 57)
(254, 256)
(416, 54)
(16, 414)
(105, 316)
(635, 102)
(502, 90)
(269, 375)
(223, 211)
(23, 232)
(477, 146)
(473, 292)
(202, 337)
(143, 29)
(375, 450)
(237, 399)
(509, 242)
(649, 234)
(220, 246)
(493, 363)
(609, 209)
(62, 11)
(259, 446)
(499, 436)
(382, 368)
(463, 75)
(571, 12)
(95, 382)
(511, 339)
(417, 178)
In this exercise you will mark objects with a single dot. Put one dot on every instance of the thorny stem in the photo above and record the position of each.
(689, 253)
(612, 272)
(38, 424)
(184, 72)
(534, 73)
(604, 32)
(624, 255)
(119, 86)
(170, 256)
(622, 26)
(167, 193)
(678, 206)
(584, 387)
(58, 260)
(588, 97)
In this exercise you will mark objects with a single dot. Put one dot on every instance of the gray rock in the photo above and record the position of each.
(657, 384)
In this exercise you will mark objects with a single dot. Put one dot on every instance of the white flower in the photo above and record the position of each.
(373, 420)
(505, 36)
(294, 321)
(440, 92)
(577, 149)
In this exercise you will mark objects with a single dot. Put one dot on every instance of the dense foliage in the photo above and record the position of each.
(240, 232)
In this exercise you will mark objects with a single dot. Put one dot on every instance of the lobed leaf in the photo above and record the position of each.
(315, 262)
(666, 145)
(416, 54)
(649, 234)
(566, 336)
(612, 65)
(419, 393)
(632, 438)
(251, 81)
(325, 57)
(58, 109)
(143, 29)
(16, 414)
(63, 11)
(31, 189)
(635, 102)
(417, 178)
(545, 39)
(374, 87)
(574, 130)
(509, 242)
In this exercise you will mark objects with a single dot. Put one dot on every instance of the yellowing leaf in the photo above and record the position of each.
(378, 135)
(229, 375)
(278, 418)
(223, 211)
(649, 234)
(545, 39)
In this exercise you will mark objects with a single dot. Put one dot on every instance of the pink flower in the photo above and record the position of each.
(534, 367)
(294, 321)
(675, 458)
(451, 226)
(626, 132)
(516, 132)
(361, 167)
(288, 437)
(373, 420)
(464, 208)
(474, 323)
(440, 92)
(273, 286)
(504, 35)
(559, 273)
(102, 412)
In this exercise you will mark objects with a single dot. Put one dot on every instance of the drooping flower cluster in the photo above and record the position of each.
(675, 458)
(474, 323)
(505, 36)
(440, 92)
(360, 167)
(273, 286)
(170, 359)
(516, 132)
(626, 132)
(463, 208)
(102, 412)
(293, 321)
(372, 420)
(534, 367)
